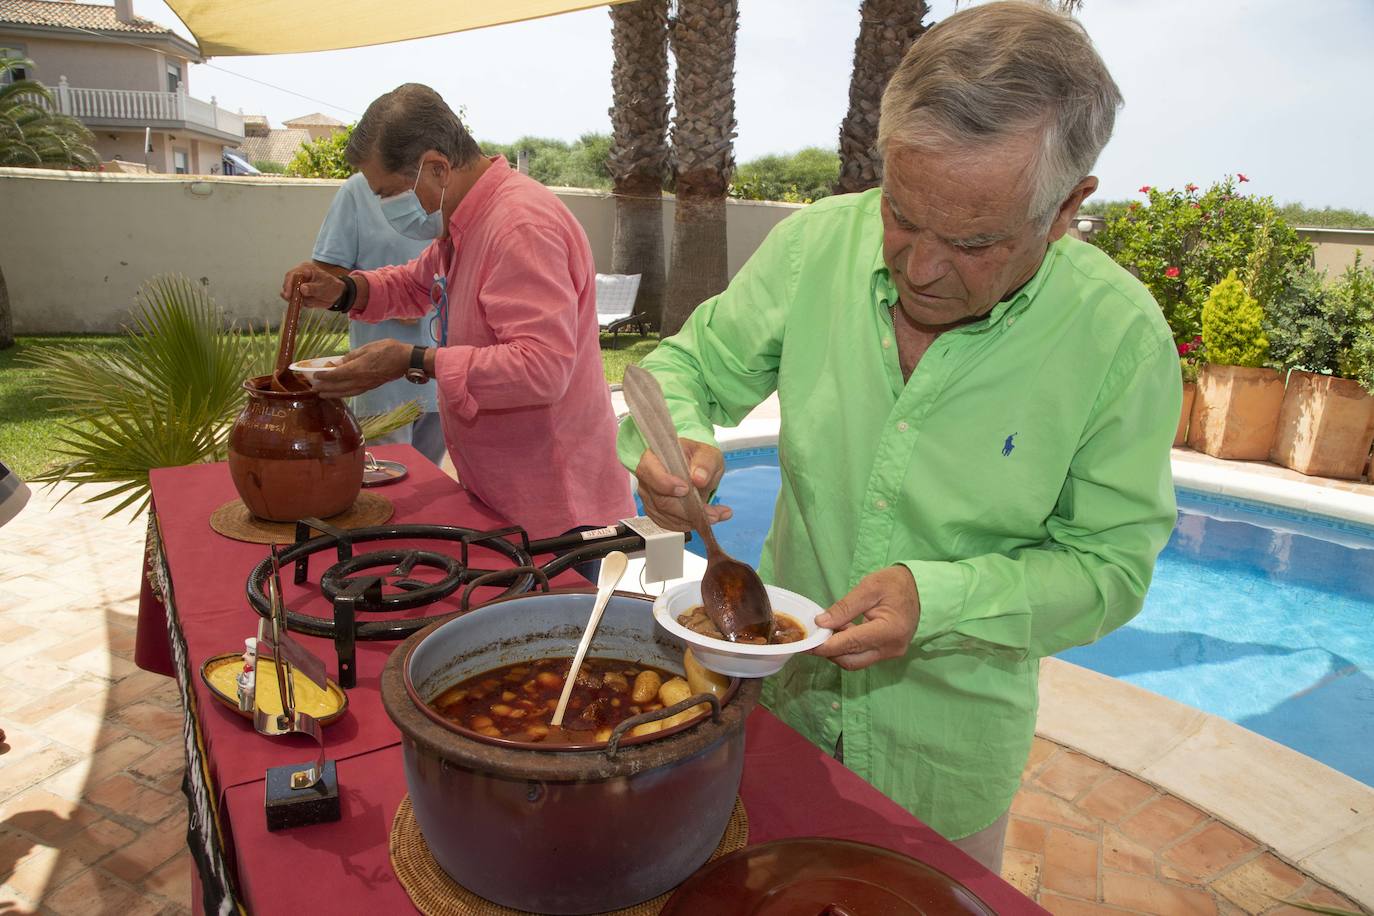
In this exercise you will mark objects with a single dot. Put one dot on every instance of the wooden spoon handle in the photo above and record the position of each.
(286, 340)
(650, 411)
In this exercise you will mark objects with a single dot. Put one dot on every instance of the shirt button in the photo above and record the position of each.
(1011, 321)
(834, 705)
(903, 426)
(887, 343)
(880, 504)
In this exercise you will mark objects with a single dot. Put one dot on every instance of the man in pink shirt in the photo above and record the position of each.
(525, 406)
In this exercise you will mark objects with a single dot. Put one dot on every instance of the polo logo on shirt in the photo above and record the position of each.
(1008, 445)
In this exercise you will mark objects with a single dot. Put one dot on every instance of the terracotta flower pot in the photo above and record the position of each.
(295, 454)
(1235, 412)
(1189, 392)
(1326, 426)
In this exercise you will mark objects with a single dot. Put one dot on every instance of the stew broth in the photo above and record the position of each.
(785, 629)
(517, 701)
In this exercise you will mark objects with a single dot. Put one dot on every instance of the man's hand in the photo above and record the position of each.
(662, 493)
(364, 369)
(319, 288)
(891, 608)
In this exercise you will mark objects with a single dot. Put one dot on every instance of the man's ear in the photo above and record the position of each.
(1069, 208)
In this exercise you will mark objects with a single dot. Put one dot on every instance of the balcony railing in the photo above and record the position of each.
(140, 105)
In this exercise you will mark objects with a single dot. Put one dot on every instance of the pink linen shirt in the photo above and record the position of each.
(525, 406)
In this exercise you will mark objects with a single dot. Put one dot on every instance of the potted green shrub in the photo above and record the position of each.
(1236, 409)
(1324, 336)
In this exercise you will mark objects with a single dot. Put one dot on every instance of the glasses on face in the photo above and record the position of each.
(438, 322)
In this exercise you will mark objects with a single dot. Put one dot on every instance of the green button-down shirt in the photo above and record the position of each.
(1021, 474)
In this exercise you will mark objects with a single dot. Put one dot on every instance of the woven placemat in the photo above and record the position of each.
(434, 893)
(233, 520)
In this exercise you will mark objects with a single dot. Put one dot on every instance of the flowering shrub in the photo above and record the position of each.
(1190, 358)
(1233, 326)
(1182, 243)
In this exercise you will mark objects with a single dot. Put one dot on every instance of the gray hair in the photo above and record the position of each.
(401, 126)
(1000, 70)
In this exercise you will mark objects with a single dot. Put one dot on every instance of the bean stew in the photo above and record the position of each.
(785, 629)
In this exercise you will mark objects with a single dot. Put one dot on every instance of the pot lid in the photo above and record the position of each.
(821, 876)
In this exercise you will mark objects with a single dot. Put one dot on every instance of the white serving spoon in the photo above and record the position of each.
(612, 569)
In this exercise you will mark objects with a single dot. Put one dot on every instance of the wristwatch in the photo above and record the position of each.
(416, 373)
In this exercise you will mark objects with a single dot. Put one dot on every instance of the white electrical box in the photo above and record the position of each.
(662, 549)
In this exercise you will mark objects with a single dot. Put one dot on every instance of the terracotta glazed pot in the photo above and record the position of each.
(1236, 412)
(1325, 426)
(294, 454)
(1189, 393)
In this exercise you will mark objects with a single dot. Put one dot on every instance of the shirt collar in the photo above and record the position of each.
(884, 291)
(479, 196)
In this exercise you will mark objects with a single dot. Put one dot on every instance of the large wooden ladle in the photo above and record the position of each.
(283, 379)
(731, 591)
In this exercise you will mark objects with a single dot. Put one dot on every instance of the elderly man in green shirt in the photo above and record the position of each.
(976, 418)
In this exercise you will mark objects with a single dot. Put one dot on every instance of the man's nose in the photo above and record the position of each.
(926, 259)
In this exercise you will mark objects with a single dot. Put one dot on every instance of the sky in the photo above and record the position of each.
(1273, 89)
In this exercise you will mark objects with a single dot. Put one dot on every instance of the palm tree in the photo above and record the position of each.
(887, 28)
(639, 157)
(32, 134)
(703, 39)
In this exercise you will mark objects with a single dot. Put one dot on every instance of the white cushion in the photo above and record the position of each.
(615, 296)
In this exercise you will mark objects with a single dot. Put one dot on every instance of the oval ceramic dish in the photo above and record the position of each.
(220, 671)
(741, 659)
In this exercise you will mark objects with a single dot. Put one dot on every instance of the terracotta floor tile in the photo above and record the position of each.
(173, 880)
(1071, 864)
(1149, 895)
(32, 769)
(1210, 851)
(29, 876)
(1060, 905)
(93, 891)
(132, 802)
(1115, 797)
(48, 817)
(141, 855)
(98, 840)
(1041, 751)
(77, 730)
(1121, 853)
(134, 687)
(155, 723)
(13, 902)
(1027, 835)
(1161, 822)
(170, 759)
(1070, 775)
(1254, 885)
(1042, 806)
(1021, 870)
(1324, 896)
(82, 689)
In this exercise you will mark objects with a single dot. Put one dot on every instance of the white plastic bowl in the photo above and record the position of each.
(736, 659)
(312, 368)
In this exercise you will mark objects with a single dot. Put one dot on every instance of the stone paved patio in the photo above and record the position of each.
(92, 819)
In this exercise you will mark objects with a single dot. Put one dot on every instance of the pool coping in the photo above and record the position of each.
(1315, 817)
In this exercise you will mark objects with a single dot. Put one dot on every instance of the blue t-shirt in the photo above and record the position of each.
(357, 236)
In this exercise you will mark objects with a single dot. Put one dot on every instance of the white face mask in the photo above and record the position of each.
(408, 216)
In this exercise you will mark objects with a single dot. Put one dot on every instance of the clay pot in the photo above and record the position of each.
(294, 454)
(1189, 393)
(1325, 426)
(1235, 412)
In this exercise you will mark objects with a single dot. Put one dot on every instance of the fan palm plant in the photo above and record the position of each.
(639, 158)
(703, 40)
(170, 398)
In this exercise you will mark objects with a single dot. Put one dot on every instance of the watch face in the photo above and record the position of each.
(417, 376)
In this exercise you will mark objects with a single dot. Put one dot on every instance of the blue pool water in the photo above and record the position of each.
(1257, 614)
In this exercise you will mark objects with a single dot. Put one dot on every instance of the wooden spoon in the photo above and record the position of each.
(283, 379)
(731, 591)
(612, 568)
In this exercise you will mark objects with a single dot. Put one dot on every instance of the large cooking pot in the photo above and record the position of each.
(294, 454)
(561, 831)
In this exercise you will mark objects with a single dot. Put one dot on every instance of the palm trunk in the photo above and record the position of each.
(703, 38)
(6, 322)
(639, 157)
(887, 30)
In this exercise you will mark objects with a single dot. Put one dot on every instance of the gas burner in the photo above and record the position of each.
(388, 580)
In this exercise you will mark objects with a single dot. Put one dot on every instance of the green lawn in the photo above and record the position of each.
(28, 424)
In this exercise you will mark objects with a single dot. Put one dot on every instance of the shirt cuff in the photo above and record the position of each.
(451, 367)
(941, 587)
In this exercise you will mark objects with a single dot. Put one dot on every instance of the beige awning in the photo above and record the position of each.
(292, 26)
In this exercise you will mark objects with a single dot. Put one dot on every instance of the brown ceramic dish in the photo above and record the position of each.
(818, 875)
(294, 454)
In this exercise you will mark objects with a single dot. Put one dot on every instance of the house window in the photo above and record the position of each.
(181, 161)
(17, 73)
(173, 77)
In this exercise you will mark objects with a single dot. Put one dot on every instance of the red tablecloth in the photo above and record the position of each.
(790, 788)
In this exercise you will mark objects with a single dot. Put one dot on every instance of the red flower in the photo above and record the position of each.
(1144, 189)
(1197, 339)
(1197, 206)
(1190, 187)
(1171, 272)
(1241, 177)
(1184, 349)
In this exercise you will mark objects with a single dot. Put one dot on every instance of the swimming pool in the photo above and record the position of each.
(1260, 615)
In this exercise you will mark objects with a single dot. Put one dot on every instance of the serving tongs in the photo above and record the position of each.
(731, 591)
